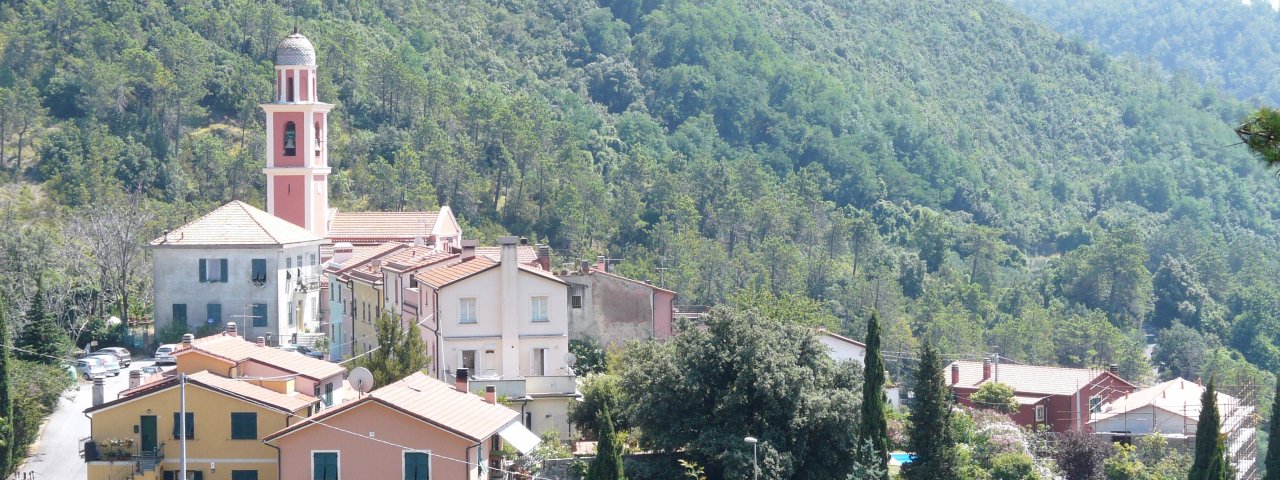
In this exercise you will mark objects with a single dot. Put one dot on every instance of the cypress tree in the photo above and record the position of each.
(1273, 450)
(42, 339)
(6, 400)
(1210, 461)
(931, 441)
(608, 462)
(874, 428)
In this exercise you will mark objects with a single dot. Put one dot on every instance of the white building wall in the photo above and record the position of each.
(486, 333)
(842, 350)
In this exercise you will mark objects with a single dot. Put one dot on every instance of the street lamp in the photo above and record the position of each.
(755, 466)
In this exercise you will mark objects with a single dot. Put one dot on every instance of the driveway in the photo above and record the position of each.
(55, 455)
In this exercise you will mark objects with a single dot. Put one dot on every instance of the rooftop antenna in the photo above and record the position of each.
(362, 379)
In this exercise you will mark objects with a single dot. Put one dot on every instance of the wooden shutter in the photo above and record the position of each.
(223, 263)
(204, 269)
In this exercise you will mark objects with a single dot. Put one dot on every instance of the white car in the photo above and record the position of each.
(110, 363)
(164, 354)
(89, 367)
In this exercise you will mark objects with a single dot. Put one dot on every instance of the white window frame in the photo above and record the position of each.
(534, 310)
(339, 462)
(475, 314)
(1040, 413)
(1095, 407)
(404, 463)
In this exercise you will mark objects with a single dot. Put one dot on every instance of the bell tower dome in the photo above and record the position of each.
(297, 132)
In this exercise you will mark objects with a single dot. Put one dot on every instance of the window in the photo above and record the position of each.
(539, 366)
(290, 134)
(328, 394)
(213, 313)
(466, 310)
(324, 465)
(259, 273)
(244, 475)
(538, 309)
(1039, 413)
(213, 270)
(244, 426)
(469, 360)
(312, 258)
(288, 262)
(180, 314)
(191, 475)
(299, 263)
(417, 466)
(260, 315)
(1095, 404)
(290, 317)
(191, 425)
(413, 281)
(288, 91)
(575, 301)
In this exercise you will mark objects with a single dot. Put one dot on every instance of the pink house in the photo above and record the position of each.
(613, 309)
(416, 428)
(1064, 399)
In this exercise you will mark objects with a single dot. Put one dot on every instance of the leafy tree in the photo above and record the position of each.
(931, 440)
(1210, 454)
(1081, 455)
(1181, 351)
(591, 358)
(1180, 296)
(1272, 462)
(994, 396)
(42, 340)
(600, 392)
(742, 374)
(1012, 466)
(1149, 458)
(608, 462)
(1111, 276)
(400, 351)
(6, 395)
(874, 428)
(1260, 132)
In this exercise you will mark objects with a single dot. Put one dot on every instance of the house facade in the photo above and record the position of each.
(613, 309)
(414, 428)
(232, 356)
(1061, 399)
(238, 264)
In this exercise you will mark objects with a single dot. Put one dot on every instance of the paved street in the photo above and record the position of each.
(57, 450)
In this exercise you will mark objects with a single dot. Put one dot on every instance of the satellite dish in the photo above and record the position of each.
(570, 359)
(361, 378)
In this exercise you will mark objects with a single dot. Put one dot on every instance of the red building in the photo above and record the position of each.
(1065, 399)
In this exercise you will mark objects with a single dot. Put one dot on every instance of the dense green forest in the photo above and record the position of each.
(976, 178)
(1223, 43)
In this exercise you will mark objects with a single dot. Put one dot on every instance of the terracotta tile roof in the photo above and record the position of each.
(430, 401)
(440, 277)
(379, 227)
(416, 257)
(362, 254)
(244, 390)
(238, 349)
(237, 223)
(527, 254)
(1029, 380)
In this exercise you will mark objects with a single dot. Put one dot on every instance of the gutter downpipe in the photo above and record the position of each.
(279, 465)
(479, 462)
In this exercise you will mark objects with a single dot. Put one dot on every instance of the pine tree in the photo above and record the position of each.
(608, 462)
(6, 401)
(874, 428)
(1273, 450)
(42, 340)
(400, 351)
(931, 439)
(1210, 461)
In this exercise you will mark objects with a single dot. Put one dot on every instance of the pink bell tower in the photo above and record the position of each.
(297, 133)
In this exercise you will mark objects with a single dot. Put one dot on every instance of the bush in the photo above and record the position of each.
(994, 396)
(1013, 466)
(598, 391)
(36, 389)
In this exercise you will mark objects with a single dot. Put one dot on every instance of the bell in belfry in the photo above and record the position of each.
(288, 140)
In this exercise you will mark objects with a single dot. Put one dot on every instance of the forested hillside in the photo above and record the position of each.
(975, 177)
(1222, 43)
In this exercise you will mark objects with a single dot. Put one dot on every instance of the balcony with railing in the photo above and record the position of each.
(121, 455)
(529, 385)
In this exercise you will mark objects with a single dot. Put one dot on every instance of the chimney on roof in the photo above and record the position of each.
(262, 342)
(231, 329)
(469, 250)
(460, 379)
(342, 252)
(376, 263)
(1114, 369)
(98, 390)
(544, 257)
(955, 373)
(491, 394)
(986, 368)
(187, 338)
(507, 293)
(524, 240)
(585, 267)
(601, 266)
(135, 378)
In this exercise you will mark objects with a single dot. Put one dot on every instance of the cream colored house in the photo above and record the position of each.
(507, 324)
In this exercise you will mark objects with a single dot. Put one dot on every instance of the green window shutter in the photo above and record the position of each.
(244, 426)
(223, 263)
(180, 314)
(214, 315)
(244, 475)
(204, 269)
(417, 466)
(328, 394)
(191, 425)
(259, 314)
(259, 270)
(324, 466)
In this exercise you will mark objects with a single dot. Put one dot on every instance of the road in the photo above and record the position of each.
(56, 452)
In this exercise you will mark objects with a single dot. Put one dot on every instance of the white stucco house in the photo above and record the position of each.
(238, 264)
(845, 349)
(507, 324)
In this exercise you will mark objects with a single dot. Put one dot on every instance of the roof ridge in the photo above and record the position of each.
(256, 221)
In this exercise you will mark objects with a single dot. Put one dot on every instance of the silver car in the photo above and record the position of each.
(110, 363)
(89, 367)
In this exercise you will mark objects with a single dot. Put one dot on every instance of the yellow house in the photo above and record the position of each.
(229, 355)
(367, 298)
(137, 436)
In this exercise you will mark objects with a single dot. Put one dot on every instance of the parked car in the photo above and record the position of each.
(164, 354)
(151, 370)
(303, 349)
(110, 362)
(89, 367)
(121, 353)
